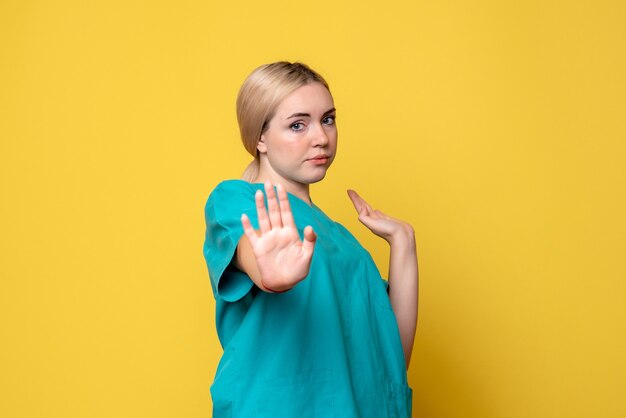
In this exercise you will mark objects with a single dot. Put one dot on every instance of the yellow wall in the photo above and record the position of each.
(496, 128)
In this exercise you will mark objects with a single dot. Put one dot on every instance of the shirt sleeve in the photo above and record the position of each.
(223, 210)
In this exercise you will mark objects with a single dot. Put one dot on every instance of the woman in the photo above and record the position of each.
(308, 326)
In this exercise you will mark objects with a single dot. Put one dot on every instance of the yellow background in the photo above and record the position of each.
(496, 128)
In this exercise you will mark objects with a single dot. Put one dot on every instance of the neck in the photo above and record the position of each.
(300, 190)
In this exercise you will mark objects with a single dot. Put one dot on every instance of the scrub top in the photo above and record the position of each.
(329, 347)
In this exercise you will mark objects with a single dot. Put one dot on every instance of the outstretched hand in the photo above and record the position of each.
(282, 258)
(379, 223)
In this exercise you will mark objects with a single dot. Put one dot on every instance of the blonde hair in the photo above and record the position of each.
(260, 95)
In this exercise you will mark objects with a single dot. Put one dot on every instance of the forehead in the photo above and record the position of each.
(312, 98)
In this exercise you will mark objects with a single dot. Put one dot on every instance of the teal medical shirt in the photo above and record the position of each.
(329, 347)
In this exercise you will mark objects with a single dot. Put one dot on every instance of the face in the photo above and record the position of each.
(301, 139)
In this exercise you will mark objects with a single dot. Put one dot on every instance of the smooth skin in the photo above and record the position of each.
(274, 257)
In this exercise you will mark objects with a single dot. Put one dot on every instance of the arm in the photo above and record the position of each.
(273, 256)
(403, 273)
(404, 286)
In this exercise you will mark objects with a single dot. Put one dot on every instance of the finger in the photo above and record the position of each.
(272, 206)
(367, 221)
(369, 208)
(248, 230)
(381, 214)
(358, 202)
(308, 245)
(261, 212)
(285, 207)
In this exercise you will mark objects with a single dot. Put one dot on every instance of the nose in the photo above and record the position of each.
(320, 138)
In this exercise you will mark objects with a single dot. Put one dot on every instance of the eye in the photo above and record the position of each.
(297, 126)
(329, 120)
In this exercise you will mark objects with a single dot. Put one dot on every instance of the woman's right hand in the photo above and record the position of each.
(282, 259)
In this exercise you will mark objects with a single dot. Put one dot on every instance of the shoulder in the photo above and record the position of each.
(229, 189)
(232, 186)
(348, 235)
(344, 230)
(228, 194)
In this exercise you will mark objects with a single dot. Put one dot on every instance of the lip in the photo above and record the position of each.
(321, 159)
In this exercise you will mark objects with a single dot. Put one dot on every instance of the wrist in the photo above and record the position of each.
(273, 290)
(404, 236)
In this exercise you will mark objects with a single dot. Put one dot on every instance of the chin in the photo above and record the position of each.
(313, 179)
(318, 179)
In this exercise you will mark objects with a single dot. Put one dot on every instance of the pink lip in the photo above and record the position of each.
(320, 159)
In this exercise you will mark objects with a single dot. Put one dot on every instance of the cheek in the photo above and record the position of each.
(288, 153)
(295, 148)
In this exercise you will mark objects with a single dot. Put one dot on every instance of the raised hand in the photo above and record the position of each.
(379, 223)
(282, 258)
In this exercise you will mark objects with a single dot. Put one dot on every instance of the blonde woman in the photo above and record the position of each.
(308, 326)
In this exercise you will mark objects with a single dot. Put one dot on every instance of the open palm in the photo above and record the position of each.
(282, 258)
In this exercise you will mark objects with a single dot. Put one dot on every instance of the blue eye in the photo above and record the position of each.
(329, 120)
(297, 126)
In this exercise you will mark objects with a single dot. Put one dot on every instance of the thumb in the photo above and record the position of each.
(355, 199)
(308, 245)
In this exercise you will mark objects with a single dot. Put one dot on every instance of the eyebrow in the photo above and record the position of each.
(308, 115)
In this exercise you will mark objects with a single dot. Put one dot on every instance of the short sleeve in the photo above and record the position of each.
(223, 210)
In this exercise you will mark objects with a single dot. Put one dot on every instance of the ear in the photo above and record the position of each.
(260, 146)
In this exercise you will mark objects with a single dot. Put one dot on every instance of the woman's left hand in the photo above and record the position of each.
(383, 225)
